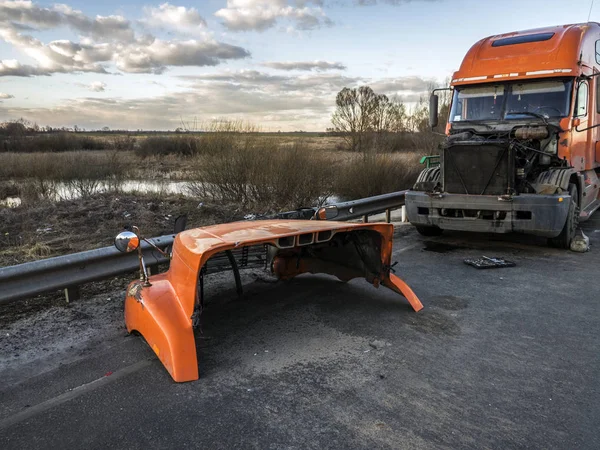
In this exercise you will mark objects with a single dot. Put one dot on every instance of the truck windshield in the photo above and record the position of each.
(509, 101)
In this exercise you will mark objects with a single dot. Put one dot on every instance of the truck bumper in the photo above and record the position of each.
(541, 215)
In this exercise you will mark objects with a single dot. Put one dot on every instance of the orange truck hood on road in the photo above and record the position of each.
(163, 312)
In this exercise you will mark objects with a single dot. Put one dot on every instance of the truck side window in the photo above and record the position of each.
(598, 52)
(582, 99)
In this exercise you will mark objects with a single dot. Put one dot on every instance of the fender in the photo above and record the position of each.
(163, 310)
(547, 182)
(428, 179)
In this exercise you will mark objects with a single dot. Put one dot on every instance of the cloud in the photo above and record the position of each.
(4, 96)
(24, 14)
(174, 17)
(402, 84)
(12, 67)
(303, 3)
(106, 41)
(56, 56)
(155, 57)
(306, 65)
(281, 85)
(388, 2)
(27, 12)
(260, 15)
(274, 101)
(97, 86)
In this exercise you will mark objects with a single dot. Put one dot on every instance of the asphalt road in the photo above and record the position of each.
(504, 358)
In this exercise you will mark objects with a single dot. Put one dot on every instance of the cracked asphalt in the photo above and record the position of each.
(503, 358)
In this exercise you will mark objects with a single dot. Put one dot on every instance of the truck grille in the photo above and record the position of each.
(477, 169)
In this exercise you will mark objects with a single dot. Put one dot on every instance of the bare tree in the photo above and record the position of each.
(354, 115)
(369, 120)
(381, 121)
(397, 117)
(362, 115)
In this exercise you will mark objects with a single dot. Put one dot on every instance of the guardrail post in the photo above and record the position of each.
(366, 218)
(404, 216)
(388, 215)
(72, 294)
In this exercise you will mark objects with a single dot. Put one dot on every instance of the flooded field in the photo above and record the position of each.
(70, 191)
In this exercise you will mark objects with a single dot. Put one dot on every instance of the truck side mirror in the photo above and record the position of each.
(433, 110)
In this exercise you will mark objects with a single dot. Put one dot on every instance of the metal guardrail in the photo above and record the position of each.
(68, 272)
(363, 208)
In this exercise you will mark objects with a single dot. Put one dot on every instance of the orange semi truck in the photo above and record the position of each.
(522, 152)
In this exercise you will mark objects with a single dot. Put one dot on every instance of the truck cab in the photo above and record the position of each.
(522, 152)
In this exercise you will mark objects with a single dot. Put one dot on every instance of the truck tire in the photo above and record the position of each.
(429, 230)
(563, 240)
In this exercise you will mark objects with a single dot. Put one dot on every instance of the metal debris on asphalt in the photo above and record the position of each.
(489, 263)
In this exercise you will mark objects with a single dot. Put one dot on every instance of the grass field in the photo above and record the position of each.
(227, 175)
(303, 161)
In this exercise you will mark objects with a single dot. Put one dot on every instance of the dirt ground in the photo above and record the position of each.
(50, 229)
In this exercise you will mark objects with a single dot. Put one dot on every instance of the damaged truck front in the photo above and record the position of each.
(521, 153)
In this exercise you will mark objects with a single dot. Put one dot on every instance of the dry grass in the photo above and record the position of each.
(65, 142)
(231, 162)
(36, 176)
(46, 229)
(257, 172)
(58, 142)
(377, 173)
(251, 170)
(62, 166)
(171, 145)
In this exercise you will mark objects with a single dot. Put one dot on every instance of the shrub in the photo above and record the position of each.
(40, 175)
(256, 172)
(406, 141)
(168, 145)
(371, 174)
(53, 142)
(122, 142)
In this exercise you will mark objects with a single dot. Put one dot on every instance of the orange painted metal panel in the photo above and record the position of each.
(556, 57)
(162, 312)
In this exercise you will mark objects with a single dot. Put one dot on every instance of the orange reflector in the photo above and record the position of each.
(560, 199)
(134, 243)
(322, 214)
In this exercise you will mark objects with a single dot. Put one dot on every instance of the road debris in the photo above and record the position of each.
(580, 243)
(378, 345)
(488, 263)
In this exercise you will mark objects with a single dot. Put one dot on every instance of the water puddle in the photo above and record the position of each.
(66, 191)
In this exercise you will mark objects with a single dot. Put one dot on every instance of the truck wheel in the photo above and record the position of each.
(428, 230)
(563, 240)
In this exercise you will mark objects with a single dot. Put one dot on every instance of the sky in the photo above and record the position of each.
(277, 64)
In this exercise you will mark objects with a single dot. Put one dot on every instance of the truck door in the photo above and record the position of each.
(595, 151)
